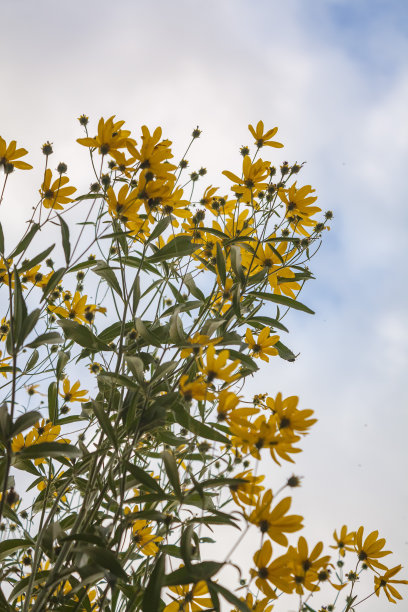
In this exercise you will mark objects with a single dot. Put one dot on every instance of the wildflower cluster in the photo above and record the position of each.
(126, 435)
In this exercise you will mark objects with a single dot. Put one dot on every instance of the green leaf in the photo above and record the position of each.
(143, 477)
(53, 401)
(177, 248)
(195, 573)
(136, 366)
(281, 299)
(199, 429)
(170, 465)
(245, 360)
(20, 311)
(136, 293)
(186, 547)
(47, 338)
(1, 240)
(8, 547)
(285, 352)
(29, 323)
(106, 559)
(32, 360)
(63, 358)
(24, 421)
(235, 256)
(53, 282)
(221, 266)
(104, 422)
(147, 335)
(230, 597)
(262, 321)
(48, 449)
(106, 272)
(114, 330)
(192, 287)
(25, 241)
(65, 239)
(30, 263)
(177, 334)
(159, 228)
(119, 380)
(82, 335)
(151, 597)
(214, 596)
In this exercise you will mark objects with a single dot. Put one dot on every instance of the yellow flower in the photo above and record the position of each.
(77, 309)
(55, 194)
(263, 346)
(4, 329)
(252, 181)
(9, 156)
(274, 522)
(73, 393)
(290, 419)
(144, 538)
(299, 209)
(370, 550)
(276, 573)
(153, 154)
(196, 342)
(227, 408)
(385, 582)
(344, 541)
(189, 598)
(246, 492)
(216, 366)
(256, 605)
(125, 205)
(305, 566)
(280, 277)
(110, 137)
(264, 138)
(4, 364)
(195, 389)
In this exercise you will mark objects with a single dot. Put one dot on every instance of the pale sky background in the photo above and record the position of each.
(333, 76)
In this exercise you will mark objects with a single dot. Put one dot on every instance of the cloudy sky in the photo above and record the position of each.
(333, 75)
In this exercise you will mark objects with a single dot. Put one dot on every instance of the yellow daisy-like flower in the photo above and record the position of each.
(55, 194)
(227, 408)
(385, 582)
(197, 342)
(4, 329)
(289, 419)
(305, 565)
(253, 180)
(246, 492)
(144, 538)
(195, 389)
(73, 393)
(275, 522)
(256, 604)
(370, 549)
(263, 346)
(189, 598)
(4, 364)
(267, 574)
(110, 137)
(299, 209)
(344, 541)
(77, 309)
(216, 366)
(10, 156)
(264, 138)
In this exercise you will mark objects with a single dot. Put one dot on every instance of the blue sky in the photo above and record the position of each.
(333, 75)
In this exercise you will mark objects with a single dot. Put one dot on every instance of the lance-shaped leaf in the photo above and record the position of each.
(151, 597)
(66, 245)
(82, 335)
(281, 299)
(30, 263)
(102, 269)
(221, 266)
(24, 421)
(230, 597)
(53, 401)
(235, 256)
(8, 547)
(25, 241)
(53, 282)
(104, 422)
(178, 247)
(143, 477)
(47, 338)
(170, 465)
(159, 228)
(194, 573)
(147, 335)
(48, 449)
(184, 419)
(106, 559)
